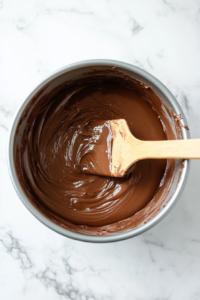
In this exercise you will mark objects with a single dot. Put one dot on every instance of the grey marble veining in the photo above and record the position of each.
(37, 37)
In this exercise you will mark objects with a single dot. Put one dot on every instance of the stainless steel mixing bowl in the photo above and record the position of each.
(72, 72)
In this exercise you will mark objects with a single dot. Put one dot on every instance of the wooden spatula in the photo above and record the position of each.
(126, 149)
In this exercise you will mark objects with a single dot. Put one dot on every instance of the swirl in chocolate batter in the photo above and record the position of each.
(50, 161)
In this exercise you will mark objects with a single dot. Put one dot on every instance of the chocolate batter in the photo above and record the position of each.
(50, 161)
(97, 141)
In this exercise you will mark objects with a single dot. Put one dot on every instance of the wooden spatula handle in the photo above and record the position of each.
(170, 149)
(127, 149)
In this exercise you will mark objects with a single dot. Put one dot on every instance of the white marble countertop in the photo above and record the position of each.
(37, 37)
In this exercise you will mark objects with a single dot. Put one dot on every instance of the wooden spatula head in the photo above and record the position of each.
(122, 148)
